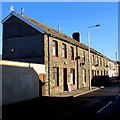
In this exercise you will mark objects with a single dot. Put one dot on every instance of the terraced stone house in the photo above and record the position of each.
(65, 58)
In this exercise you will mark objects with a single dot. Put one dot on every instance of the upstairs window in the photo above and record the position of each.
(97, 60)
(100, 62)
(83, 56)
(55, 48)
(72, 53)
(64, 51)
(104, 62)
(93, 59)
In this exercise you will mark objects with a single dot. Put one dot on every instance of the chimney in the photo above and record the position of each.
(58, 28)
(76, 36)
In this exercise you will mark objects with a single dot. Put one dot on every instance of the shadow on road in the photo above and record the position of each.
(61, 108)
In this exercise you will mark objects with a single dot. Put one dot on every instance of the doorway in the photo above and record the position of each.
(65, 79)
(41, 85)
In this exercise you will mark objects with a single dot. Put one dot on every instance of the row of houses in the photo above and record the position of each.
(65, 58)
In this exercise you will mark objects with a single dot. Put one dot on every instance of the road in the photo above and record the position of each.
(103, 104)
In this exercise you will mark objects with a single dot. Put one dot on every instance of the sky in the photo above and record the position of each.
(75, 17)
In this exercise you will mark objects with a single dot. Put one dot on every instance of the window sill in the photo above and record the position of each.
(55, 56)
(72, 84)
(55, 86)
(64, 58)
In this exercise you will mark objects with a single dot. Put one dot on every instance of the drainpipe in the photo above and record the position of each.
(48, 65)
(77, 58)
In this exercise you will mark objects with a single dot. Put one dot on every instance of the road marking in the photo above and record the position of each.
(117, 97)
(104, 107)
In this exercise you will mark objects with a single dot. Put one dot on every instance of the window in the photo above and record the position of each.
(84, 75)
(97, 72)
(93, 59)
(106, 63)
(72, 76)
(64, 52)
(110, 65)
(55, 48)
(103, 62)
(55, 76)
(83, 56)
(100, 62)
(106, 73)
(72, 53)
(97, 60)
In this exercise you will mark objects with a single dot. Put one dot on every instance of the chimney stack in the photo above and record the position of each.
(76, 36)
(58, 28)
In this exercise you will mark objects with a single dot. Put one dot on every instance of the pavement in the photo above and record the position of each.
(82, 91)
(75, 93)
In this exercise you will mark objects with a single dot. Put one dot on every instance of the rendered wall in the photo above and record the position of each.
(20, 81)
(21, 42)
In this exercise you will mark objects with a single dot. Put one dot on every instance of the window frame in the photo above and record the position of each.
(64, 50)
(72, 73)
(97, 60)
(56, 48)
(93, 59)
(57, 74)
(83, 56)
(84, 75)
(72, 52)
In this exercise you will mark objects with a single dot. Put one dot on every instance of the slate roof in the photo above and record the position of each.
(59, 34)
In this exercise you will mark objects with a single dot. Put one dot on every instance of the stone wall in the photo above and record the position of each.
(60, 62)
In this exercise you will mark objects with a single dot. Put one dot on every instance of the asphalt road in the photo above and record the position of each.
(103, 104)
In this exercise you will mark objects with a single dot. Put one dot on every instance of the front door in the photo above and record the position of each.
(65, 79)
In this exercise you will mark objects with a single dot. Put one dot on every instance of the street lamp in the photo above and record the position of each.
(89, 58)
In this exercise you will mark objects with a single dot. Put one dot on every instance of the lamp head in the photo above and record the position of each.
(98, 25)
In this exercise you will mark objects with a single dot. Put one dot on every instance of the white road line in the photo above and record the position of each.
(117, 97)
(104, 107)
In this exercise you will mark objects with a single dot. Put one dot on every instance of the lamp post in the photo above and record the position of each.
(89, 57)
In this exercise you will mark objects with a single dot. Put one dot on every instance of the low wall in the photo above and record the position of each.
(20, 81)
